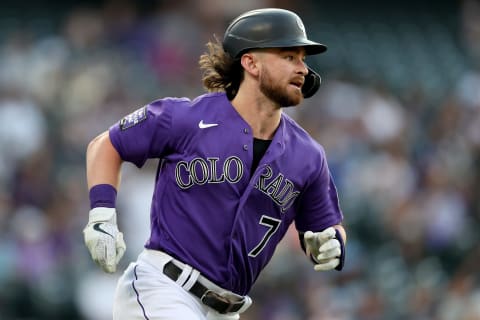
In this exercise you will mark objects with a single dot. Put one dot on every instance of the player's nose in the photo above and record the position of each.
(302, 69)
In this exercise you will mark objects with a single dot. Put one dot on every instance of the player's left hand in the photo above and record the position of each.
(103, 239)
(325, 249)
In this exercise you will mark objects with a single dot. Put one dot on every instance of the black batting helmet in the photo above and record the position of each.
(272, 28)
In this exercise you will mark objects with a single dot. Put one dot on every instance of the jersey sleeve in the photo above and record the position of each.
(319, 205)
(143, 134)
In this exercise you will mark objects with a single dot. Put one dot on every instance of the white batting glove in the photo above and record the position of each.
(324, 248)
(103, 239)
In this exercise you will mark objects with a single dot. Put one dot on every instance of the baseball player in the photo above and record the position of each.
(234, 173)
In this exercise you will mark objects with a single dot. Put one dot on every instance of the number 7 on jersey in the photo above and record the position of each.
(272, 224)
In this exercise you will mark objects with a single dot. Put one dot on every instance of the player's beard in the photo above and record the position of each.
(275, 92)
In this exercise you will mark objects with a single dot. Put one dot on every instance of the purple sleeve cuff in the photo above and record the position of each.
(102, 195)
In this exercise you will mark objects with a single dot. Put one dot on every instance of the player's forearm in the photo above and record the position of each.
(103, 162)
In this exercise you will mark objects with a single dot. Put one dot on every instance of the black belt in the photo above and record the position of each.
(206, 296)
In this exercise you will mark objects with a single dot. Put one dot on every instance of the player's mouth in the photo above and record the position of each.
(297, 83)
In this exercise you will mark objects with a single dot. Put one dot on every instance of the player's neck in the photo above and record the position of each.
(261, 114)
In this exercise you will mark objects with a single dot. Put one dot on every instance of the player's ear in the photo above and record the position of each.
(249, 62)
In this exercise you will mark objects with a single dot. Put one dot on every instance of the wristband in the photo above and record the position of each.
(102, 195)
(342, 247)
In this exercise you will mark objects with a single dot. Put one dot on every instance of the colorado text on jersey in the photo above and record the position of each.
(199, 171)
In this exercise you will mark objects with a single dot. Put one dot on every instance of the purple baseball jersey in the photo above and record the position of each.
(207, 210)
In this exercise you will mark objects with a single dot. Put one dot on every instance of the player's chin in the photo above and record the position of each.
(295, 95)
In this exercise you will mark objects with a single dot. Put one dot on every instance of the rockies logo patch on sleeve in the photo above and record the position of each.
(133, 118)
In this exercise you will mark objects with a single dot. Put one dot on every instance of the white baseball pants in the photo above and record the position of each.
(145, 293)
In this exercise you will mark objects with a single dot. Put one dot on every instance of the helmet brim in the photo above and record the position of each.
(311, 47)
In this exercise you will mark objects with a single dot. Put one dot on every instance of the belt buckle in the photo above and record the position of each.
(212, 299)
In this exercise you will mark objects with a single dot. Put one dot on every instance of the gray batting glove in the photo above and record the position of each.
(103, 239)
(324, 248)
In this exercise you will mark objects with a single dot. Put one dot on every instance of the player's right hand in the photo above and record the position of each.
(103, 239)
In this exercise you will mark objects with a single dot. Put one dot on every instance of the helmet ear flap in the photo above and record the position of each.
(312, 83)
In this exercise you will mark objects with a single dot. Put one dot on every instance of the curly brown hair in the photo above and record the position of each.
(221, 72)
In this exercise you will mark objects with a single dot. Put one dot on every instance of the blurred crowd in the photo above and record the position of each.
(398, 114)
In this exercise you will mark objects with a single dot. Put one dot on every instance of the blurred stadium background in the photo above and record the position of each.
(398, 113)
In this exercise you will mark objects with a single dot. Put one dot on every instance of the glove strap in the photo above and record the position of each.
(102, 214)
(102, 195)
